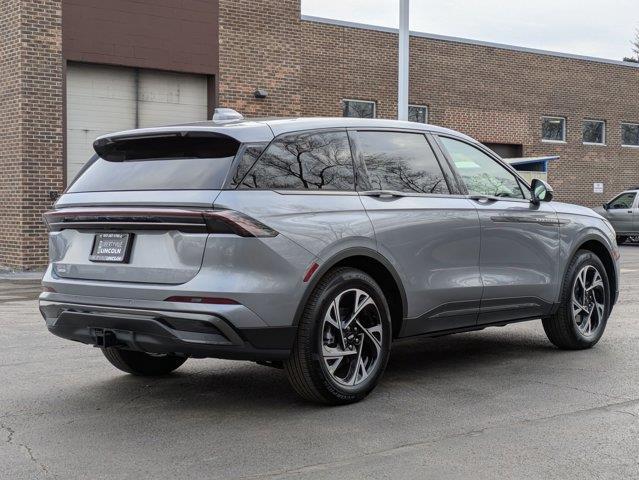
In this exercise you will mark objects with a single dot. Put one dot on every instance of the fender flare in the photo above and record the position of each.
(576, 246)
(326, 265)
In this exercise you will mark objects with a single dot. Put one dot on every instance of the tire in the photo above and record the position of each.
(311, 370)
(140, 363)
(621, 239)
(569, 330)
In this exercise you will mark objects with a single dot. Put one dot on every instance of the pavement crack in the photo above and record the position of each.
(391, 450)
(27, 449)
(583, 390)
(10, 432)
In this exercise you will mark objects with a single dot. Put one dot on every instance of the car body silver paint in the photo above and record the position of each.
(624, 220)
(264, 275)
(157, 257)
(433, 242)
(322, 222)
(519, 253)
(578, 225)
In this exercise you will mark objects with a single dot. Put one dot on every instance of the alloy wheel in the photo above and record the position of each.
(588, 300)
(352, 337)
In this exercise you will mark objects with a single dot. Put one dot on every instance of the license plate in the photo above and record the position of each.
(111, 247)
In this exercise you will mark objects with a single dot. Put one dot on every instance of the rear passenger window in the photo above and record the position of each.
(304, 161)
(402, 162)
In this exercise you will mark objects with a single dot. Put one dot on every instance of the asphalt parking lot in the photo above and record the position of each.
(502, 403)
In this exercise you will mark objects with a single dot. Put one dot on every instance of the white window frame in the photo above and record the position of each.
(628, 123)
(605, 132)
(421, 106)
(565, 132)
(344, 100)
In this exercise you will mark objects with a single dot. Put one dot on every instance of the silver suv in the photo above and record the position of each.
(623, 213)
(312, 244)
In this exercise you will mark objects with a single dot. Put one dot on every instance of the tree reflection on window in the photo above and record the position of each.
(403, 162)
(307, 161)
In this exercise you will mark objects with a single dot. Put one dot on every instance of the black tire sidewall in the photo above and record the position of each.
(583, 259)
(345, 280)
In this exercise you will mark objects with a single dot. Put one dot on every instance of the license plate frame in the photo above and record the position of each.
(111, 247)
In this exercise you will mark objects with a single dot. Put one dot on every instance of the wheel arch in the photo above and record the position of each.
(595, 245)
(372, 263)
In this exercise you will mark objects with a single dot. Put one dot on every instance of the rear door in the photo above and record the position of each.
(133, 214)
(519, 258)
(621, 212)
(422, 224)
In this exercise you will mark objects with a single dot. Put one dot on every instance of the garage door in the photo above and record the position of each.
(103, 99)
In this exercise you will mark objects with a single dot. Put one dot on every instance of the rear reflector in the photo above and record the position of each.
(311, 270)
(48, 289)
(207, 300)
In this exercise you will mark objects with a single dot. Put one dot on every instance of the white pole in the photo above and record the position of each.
(402, 86)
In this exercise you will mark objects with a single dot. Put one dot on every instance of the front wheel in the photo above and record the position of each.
(140, 363)
(343, 340)
(581, 318)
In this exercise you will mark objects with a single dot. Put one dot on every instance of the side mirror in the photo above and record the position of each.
(541, 191)
(606, 206)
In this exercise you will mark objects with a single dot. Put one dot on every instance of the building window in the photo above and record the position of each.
(630, 134)
(359, 108)
(594, 132)
(418, 113)
(553, 129)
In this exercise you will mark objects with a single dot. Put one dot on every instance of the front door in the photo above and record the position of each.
(519, 258)
(426, 228)
(621, 213)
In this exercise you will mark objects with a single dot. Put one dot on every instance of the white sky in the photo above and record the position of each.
(599, 28)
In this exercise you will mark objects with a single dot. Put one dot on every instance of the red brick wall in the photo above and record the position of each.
(31, 126)
(260, 48)
(495, 95)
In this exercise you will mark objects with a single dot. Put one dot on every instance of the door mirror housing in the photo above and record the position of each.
(540, 191)
(606, 206)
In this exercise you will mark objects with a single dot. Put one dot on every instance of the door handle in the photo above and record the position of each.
(629, 211)
(383, 193)
(483, 198)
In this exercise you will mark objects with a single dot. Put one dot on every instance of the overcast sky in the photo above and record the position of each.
(586, 27)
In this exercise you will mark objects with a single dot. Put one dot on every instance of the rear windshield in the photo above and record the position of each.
(158, 163)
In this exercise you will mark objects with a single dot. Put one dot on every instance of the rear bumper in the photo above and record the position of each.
(163, 331)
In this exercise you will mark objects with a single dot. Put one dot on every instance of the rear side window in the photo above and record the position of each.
(304, 161)
(174, 162)
(398, 161)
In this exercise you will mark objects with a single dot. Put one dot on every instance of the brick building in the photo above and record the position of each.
(71, 70)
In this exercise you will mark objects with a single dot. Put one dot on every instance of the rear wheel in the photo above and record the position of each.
(585, 305)
(621, 239)
(343, 340)
(140, 363)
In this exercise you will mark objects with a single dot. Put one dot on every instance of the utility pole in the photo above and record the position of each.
(404, 59)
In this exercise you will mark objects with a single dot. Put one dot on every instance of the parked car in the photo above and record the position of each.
(312, 244)
(623, 213)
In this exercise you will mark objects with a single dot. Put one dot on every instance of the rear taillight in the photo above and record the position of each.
(184, 220)
(207, 300)
(230, 221)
